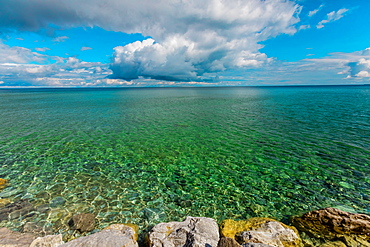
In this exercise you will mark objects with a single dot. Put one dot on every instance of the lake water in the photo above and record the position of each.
(151, 155)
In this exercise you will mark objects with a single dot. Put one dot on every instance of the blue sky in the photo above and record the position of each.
(179, 43)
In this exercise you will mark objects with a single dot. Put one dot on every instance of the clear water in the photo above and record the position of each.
(158, 154)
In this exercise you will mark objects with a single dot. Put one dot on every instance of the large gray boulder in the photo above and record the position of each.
(117, 235)
(9, 238)
(193, 232)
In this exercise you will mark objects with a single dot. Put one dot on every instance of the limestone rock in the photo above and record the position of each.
(334, 224)
(48, 241)
(3, 183)
(83, 222)
(9, 238)
(261, 230)
(15, 210)
(193, 232)
(116, 236)
(127, 229)
(270, 233)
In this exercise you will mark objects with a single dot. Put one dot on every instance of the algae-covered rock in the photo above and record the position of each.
(192, 232)
(336, 225)
(261, 230)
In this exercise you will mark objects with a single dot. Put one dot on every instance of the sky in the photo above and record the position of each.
(115, 43)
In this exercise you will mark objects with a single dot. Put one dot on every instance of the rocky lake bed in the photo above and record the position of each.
(327, 227)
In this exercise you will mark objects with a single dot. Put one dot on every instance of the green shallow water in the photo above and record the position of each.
(151, 155)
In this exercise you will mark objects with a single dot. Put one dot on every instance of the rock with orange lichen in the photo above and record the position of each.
(4, 202)
(261, 230)
(3, 183)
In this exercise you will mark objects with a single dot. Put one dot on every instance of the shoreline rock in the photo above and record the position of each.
(336, 225)
(328, 227)
(260, 231)
(192, 232)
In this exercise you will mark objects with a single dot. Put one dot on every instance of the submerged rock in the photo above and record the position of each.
(15, 210)
(37, 229)
(57, 201)
(9, 238)
(117, 235)
(260, 231)
(193, 232)
(4, 202)
(83, 222)
(336, 225)
(48, 241)
(3, 183)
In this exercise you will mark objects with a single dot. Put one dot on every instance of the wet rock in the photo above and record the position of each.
(332, 221)
(193, 232)
(48, 241)
(3, 183)
(57, 201)
(9, 238)
(112, 236)
(270, 233)
(261, 230)
(228, 242)
(15, 210)
(82, 222)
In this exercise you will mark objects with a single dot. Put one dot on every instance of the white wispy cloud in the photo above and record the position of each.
(332, 16)
(302, 27)
(313, 12)
(42, 49)
(60, 39)
(85, 48)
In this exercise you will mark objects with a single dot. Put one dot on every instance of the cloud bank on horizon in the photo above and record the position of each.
(186, 40)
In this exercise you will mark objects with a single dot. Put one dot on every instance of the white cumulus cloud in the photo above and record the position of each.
(190, 40)
(17, 54)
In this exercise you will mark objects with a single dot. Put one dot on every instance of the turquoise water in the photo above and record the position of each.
(159, 154)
